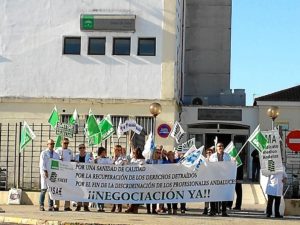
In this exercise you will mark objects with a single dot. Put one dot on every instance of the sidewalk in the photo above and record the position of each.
(29, 214)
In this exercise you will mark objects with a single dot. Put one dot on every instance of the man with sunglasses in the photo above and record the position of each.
(83, 157)
(65, 154)
(45, 158)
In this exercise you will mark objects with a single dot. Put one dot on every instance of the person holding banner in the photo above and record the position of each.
(83, 157)
(274, 191)
(65, 154)
(45, 158)
(102, 159)
(137, 159)
(208, 153)
(119, 159)
(156, 159)
(218, 156)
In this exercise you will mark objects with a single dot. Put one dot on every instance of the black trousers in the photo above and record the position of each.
(149, 207)
(270, 204)
(255, 171)
(214, 207)
(239, 196)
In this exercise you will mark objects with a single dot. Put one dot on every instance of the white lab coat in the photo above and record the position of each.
(214, 157)
(275, 184)
(44, 166)
(65, 154)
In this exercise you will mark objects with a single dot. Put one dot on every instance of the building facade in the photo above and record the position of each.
(114, 57)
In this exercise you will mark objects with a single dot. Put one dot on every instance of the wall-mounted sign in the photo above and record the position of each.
(124, 23)
(163, 130)
(220, 114)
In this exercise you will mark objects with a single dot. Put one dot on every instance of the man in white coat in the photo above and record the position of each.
(274, 191)
(45, 157)
(218, 156)
(66, 155)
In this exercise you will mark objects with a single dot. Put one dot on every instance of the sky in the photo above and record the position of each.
(265, 46)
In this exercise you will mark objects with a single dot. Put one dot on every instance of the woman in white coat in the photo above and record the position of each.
(274, 191)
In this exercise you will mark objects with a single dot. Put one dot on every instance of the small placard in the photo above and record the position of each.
(65, 130)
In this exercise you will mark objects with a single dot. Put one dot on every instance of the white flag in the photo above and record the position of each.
(177, 132)
(149, 147)
(186, 145)
(193, 158)
(119, 130)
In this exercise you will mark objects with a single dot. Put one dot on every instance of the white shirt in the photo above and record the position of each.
(44, 165)
(104, 161)
(65, 154)
(137, 161)
(214, 157)
(275, 184)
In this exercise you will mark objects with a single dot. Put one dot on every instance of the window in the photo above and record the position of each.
(72, 45)
(147, 46)
(96, 46)
(121, 46)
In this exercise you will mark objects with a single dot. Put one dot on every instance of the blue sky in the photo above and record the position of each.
(265, 46)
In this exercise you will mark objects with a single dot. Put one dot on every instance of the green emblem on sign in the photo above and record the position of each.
(88, 22)
(54, 164)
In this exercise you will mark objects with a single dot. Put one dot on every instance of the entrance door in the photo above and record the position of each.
(210, 137)
(239, 141)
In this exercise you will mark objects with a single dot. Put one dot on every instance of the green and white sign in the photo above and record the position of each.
(87, 22)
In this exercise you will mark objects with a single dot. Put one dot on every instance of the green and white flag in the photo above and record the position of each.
(58, 142)
(232, 151)
(27, 135)
(74, 118)
(91, 125)
(54, 118)
(106, 128)
(258, 140)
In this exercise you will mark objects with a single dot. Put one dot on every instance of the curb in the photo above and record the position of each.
(18, 220)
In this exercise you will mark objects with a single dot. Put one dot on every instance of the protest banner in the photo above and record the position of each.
(165, 183)
(270, 159)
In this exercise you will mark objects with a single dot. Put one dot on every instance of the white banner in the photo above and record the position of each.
(270, 159)
(129, 125)
(164, 183)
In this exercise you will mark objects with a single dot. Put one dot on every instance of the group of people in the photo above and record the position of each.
(159, 156)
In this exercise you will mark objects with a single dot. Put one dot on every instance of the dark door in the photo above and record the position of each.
(224, 138)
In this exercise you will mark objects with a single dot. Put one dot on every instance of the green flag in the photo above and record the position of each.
(106, 128)
(27, 135)
(232, 151)
(258, 140)
(58, 142)
(54, 118)
(74, 118)
(91, 125)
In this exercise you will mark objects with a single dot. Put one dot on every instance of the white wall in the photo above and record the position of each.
(32, 63)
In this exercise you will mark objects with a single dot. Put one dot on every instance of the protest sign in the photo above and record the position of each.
(270, 159)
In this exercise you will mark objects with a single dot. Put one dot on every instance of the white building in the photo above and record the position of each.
(115, 57)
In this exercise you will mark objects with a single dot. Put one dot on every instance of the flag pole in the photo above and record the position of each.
(247, 141)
